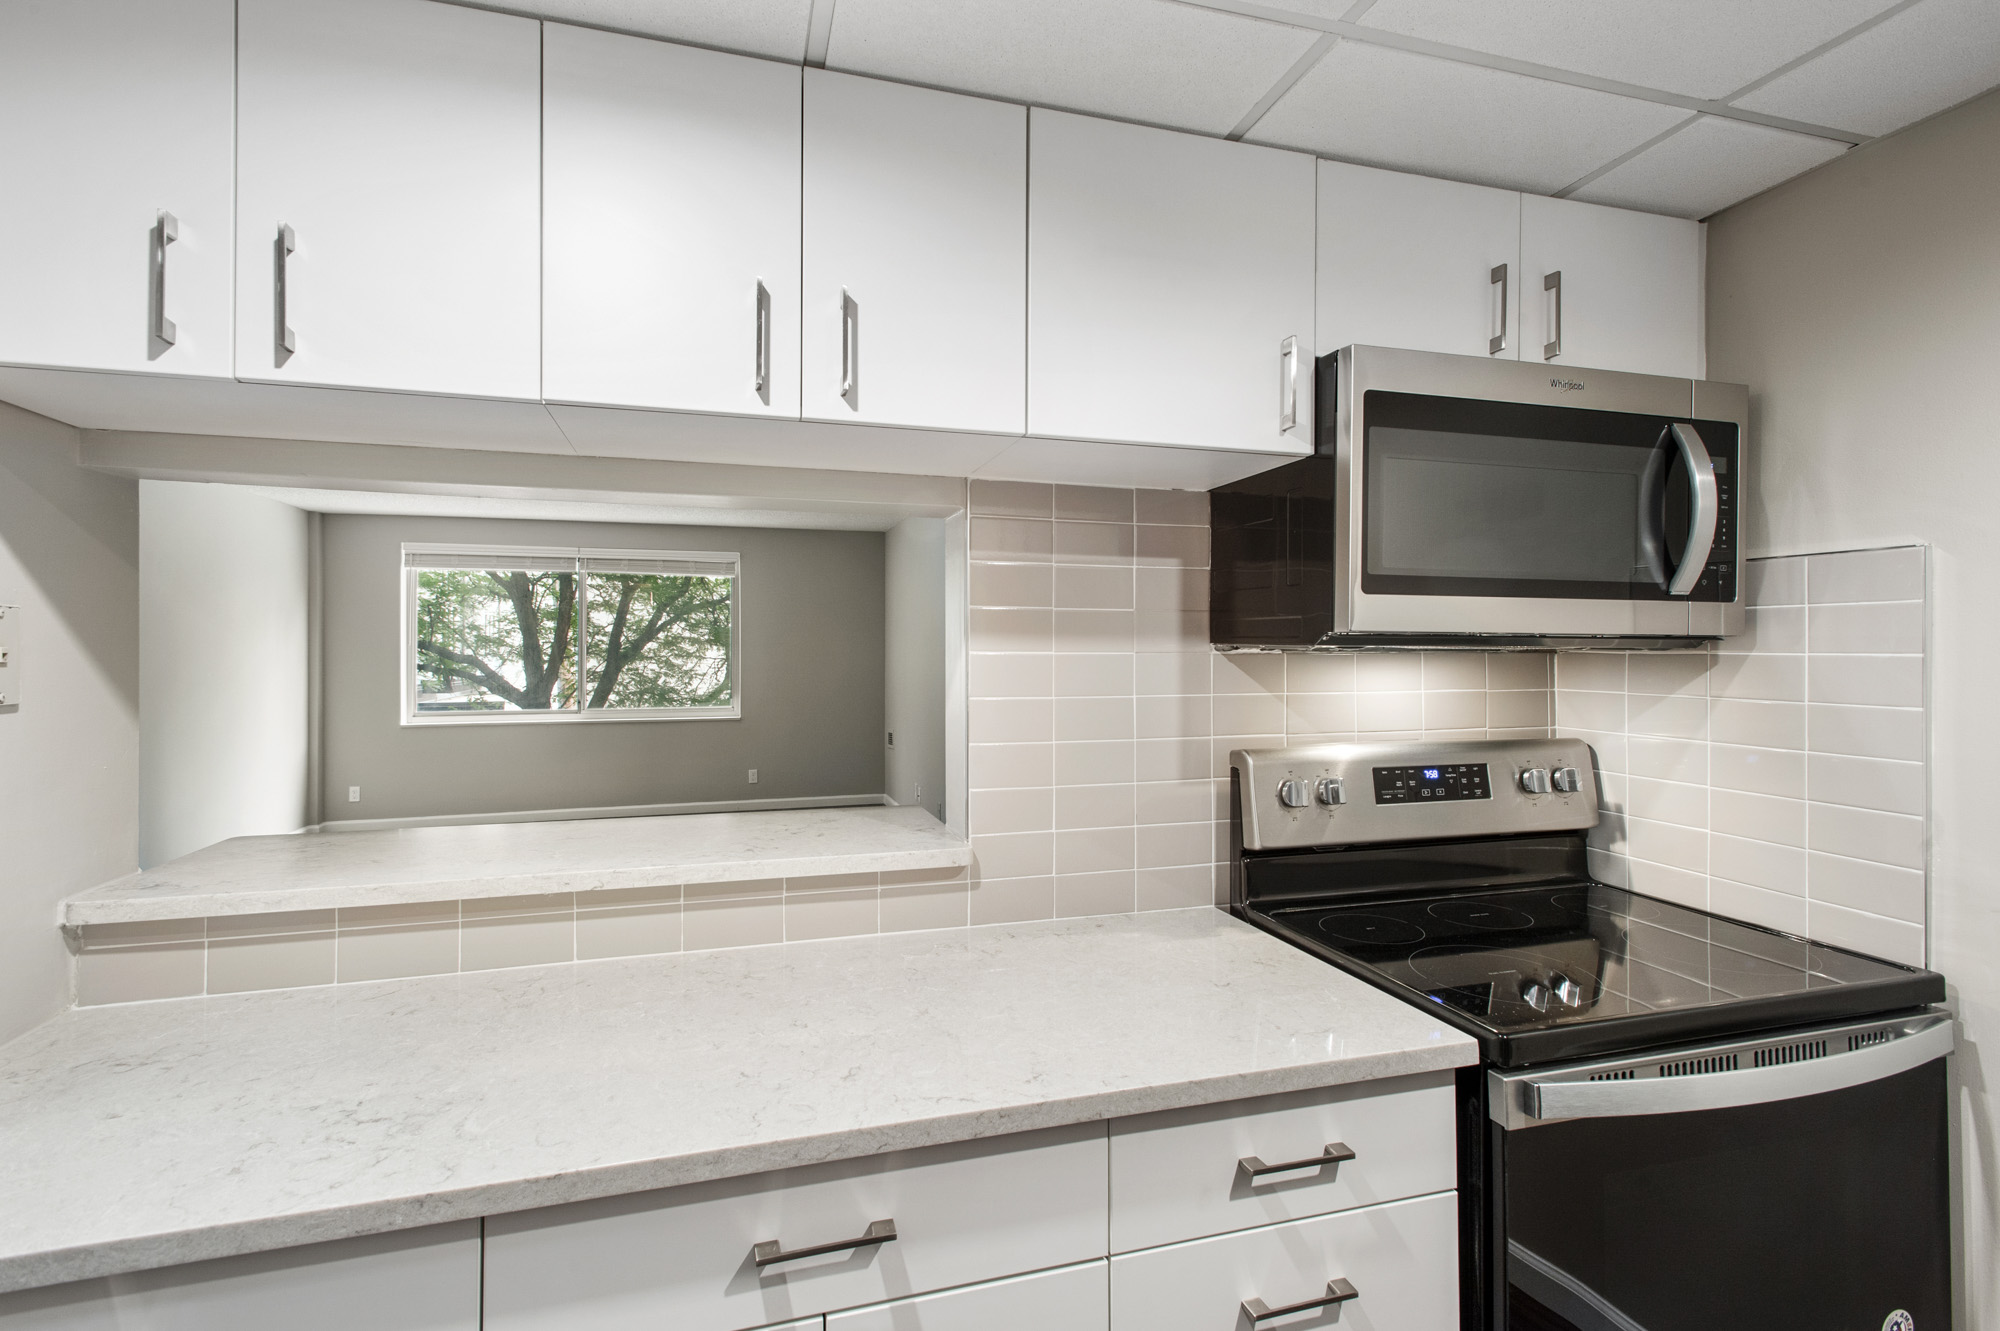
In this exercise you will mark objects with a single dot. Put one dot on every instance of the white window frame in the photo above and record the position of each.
(580, 560)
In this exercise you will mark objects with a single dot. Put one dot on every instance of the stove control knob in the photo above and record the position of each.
(1567, 991)
(1568, 780)
(1331, 790)
(1294, 794)
(1535, 780)
(1535, 994)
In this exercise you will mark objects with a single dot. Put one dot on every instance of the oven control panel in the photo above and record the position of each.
(1358, 794)
(1447, 781)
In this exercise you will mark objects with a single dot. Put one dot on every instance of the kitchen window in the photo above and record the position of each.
(525, 634)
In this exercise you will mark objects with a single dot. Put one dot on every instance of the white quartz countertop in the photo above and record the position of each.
(317, 870)
(157, 1133)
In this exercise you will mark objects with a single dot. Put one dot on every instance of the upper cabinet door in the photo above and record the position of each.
(116, 132)
(1408, 261)
(915, 256)
(1629, 292)
(388, 229)
(1170, 295)
(670, 216)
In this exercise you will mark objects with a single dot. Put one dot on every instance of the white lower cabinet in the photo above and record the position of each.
(1189, 1172)
(1400, 1258)
(412, 1280)
(688, 1257)
(1074, 1298)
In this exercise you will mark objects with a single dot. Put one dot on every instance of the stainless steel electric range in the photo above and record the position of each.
(1679, 1121)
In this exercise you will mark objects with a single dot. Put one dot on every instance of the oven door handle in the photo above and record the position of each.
(1701, 526)
(1524, 1099)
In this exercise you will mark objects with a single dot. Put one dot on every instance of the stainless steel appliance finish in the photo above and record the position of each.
(1678, 1121)
(1299, 796)
(1722, 1075)
(1544, 507)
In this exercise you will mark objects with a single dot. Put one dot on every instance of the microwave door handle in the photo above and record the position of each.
(1701, 529)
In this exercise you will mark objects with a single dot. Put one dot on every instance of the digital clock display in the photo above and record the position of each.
(1428, 785)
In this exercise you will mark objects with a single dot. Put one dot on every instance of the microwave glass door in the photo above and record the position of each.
(1825, 1213)
(1481, 498)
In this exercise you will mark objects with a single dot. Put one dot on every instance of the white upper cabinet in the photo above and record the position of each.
(670, 216)
(116, 135)
(1629, 292)
(388, 196)
(915, 275)
(1170, 295)
(1408, 261)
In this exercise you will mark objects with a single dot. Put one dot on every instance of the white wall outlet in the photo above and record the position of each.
(753, 776)
(354, 794)
(10, 656)
(920, 792)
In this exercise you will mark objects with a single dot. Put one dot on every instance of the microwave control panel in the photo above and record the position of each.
(1718, 579)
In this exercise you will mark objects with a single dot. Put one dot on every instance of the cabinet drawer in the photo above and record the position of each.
(1176, 1175)
(682, 1257)
(1400, 1257)
(1071, 1299)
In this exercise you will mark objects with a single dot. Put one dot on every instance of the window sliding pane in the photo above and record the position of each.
(660, 641)
(493, 640)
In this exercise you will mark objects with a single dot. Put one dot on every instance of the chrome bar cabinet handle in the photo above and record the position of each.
(878, 1232)
(1554, 282)
(287, 340)
(1288, 385)
(1498, 278)
(1338, 1290)
(850, 319)
(1335, 1153)
(763, 385)
(166, 230)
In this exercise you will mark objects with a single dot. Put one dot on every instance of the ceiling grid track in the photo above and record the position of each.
(1351, 31)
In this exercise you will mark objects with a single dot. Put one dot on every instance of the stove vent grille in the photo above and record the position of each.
(1790, 1053)
(1622, 1074)
(1864, 1039)
(1699, 1067)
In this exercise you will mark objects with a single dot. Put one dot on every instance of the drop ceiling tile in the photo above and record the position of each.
(1708, 165)
(1931, 56)
(1380, 107)
(775, 28)
(1698, 48)
(1145, 60)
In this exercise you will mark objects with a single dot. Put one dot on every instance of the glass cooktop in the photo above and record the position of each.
(1544, 958)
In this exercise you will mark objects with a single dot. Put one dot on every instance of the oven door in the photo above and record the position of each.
(1473, 506)
(1791, 1186)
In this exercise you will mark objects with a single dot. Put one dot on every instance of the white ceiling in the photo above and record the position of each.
(1674, 106)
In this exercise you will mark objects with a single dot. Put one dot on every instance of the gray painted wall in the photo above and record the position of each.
(69, 753)
(222, 667)
(1861, 303)
(811, 657)
(914, 686)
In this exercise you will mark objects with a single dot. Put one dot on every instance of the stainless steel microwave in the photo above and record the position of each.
(1454, 501)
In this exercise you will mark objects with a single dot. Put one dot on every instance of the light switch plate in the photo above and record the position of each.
(10, 657)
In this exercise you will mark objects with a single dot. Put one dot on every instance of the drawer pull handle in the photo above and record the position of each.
(1336, 1153)
(878, 1231)
(1338, 1290)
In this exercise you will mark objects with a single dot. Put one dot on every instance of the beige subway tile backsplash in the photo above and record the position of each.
(1807, 737)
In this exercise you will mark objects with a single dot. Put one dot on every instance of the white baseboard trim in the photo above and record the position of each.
(613, 811)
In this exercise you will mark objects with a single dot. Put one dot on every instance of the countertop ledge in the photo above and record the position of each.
(159, 1133)
(322, 870)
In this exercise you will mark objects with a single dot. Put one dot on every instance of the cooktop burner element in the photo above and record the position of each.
(1358, 927)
